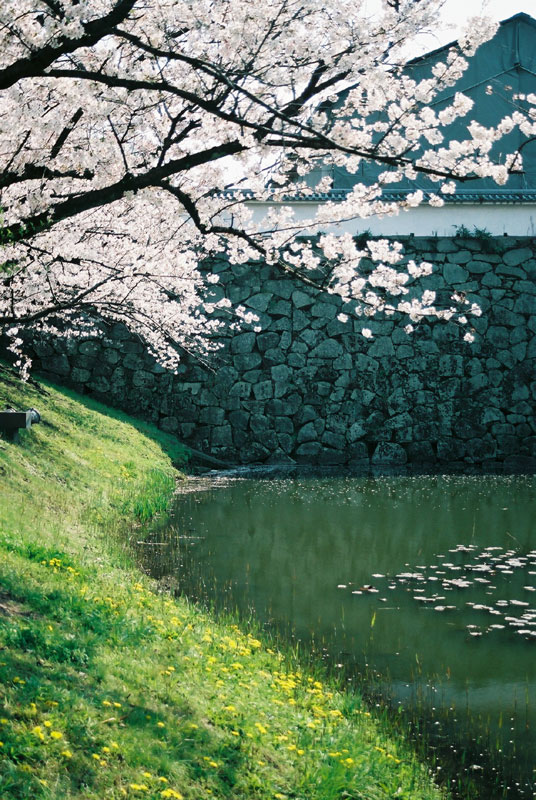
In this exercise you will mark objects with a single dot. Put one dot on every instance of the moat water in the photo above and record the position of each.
(421, 590)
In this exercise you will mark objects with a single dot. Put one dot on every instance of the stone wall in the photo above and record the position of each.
(311, 389)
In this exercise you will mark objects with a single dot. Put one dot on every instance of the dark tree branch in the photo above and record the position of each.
(33, 172)
(96, 198)
(69, 128)
(40, 59)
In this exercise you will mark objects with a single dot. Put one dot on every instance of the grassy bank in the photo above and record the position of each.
(110, 688)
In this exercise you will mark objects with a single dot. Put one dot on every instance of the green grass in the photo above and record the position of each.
(110, 688)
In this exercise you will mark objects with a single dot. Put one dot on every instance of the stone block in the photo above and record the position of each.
(308, 450)
(300, 321)
(311, 338)
(243, 343)
(324, 310)
(389, 454)
(329, 348)
(454, 273)
(246, 361)
(259, 424)
(253, 452)
(253, 375)
(280, 308)
(130, 346)
(280, 373)
(514, 272)
(382, 346)
(513, 258)
(268, 340)
(499, 336)
(285, 442)
(212, 415)
(168, 424)
(133, 361)
(307, 433)
(80, 375)
(480, 449)
(240, 389)
(42, 349)
(274, 356)
(263, 390)
(450, 450)
(119, 332)
(239, 419)
(450, 365)
(99, 385)
(333, 440)
(221, 436)
(421, 453)
(302, 299)
(478, 267)
(460, 257)
(358, 452)
(331, 457)
(260, 302)
(284, 425)
(446, 245)
(59, 364)
(491, 279)
(404, 351)
(296, 360)
(141, 379)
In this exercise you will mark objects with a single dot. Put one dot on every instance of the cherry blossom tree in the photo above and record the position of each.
(132, 133)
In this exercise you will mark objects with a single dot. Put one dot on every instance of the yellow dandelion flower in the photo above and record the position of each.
(56, 735)
(106, 703)
(138, 787)
(163, 780)
(66, 754)
(38, 732)
(213, 764)
(235, 733)
(117, 705)
(105, 749)
(47, 723)
(96, 756)
(160, 725)
(147, 774)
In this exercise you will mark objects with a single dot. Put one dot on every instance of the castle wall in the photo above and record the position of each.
(311, 389)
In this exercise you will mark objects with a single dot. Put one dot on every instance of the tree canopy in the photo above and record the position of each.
(130, 131)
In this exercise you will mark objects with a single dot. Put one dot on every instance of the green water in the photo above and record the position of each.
(426, 582)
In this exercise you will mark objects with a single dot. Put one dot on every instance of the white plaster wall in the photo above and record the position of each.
(510, 219)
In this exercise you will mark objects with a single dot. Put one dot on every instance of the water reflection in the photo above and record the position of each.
(427, 580)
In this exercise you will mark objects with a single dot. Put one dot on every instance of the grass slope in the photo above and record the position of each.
(110, 688)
